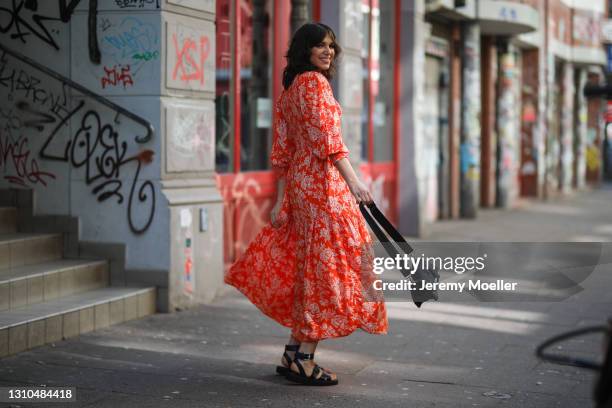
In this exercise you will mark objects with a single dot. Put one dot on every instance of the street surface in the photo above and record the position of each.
(446, 354)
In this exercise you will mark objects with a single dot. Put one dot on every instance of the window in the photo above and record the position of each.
(382, 79)
(378, 91)
(365, 58)
(255, 122)
(255, 84)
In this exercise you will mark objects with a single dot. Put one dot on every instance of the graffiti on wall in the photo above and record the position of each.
(529, 119)
(186, 220)
(191, 54)
(567, 127)
(117, 75)
(470, 132)
(19, 164)
(190, 57)
(39, 111)
(581, 130)
(127, 4)
(23, 20)
(190, 137)
(246, 210)
(130, 41)
(129, 54)
(507, 117)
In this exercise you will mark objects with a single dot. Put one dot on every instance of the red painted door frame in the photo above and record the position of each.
(397, 34)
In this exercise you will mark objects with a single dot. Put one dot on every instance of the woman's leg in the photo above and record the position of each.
(292, 341)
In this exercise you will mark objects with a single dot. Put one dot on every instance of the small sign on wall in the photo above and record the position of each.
(187, 275)
(264, 113)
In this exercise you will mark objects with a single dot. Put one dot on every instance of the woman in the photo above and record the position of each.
(306, 269)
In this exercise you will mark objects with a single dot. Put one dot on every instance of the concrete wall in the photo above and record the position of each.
(188, 126)
(412, 82)
(156, 59)
(76, 153)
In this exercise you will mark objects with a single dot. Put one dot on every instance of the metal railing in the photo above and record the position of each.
(80, 88)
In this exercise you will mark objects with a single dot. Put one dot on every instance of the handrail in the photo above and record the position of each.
(120, 110)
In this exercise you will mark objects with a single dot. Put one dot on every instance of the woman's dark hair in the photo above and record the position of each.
(298, 55)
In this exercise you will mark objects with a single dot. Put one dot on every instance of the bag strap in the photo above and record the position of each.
(389, 246)
(388, 227)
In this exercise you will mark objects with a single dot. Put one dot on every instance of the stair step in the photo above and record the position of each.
(19, 249)
(34, 325)
(45, 281)
(8, 220)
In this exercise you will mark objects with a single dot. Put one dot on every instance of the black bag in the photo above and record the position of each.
(418, 296)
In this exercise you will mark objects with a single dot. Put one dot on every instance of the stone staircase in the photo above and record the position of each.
(44, 295)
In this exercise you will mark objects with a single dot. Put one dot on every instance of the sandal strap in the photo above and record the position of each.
(288, 358)
(313, 355)
(300, 367)
(303, 356)
(324, 375)
(292, 347)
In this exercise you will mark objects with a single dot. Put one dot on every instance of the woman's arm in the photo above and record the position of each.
(358, 189)
(280, 192)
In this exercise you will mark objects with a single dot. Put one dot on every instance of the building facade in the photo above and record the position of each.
(449, 107)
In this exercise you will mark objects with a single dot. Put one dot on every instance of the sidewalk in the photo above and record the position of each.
(442, 355)
(582, 216)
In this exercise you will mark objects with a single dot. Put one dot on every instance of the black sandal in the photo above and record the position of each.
(281, 369)
(314, 378)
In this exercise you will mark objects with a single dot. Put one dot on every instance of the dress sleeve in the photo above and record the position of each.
(321, 117)
(282, 146)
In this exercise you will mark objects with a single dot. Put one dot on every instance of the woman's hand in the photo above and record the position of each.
(358, 189)
(361, 192)
(274, 214)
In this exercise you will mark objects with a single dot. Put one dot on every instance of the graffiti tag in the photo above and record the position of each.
(190, 58)
(117, 76)
(17, 160)
(22, 20)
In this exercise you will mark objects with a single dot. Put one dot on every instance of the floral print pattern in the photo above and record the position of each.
(312, 271)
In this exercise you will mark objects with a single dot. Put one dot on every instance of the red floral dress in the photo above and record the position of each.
(312, 273)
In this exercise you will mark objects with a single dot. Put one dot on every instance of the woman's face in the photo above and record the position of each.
(322, 54)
